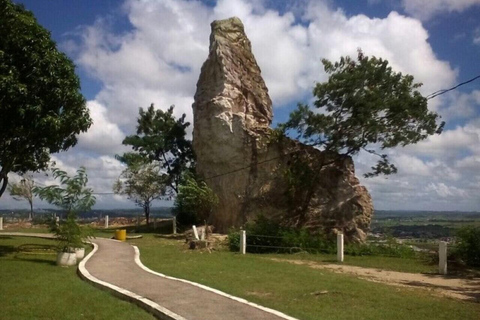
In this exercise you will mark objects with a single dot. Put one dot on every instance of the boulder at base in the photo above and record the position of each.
(255, 171)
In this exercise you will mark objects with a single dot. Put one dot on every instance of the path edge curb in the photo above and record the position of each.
(144, 303)
(204, 287)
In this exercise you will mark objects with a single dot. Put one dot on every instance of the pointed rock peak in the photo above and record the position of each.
(231, 75)
(232, 24)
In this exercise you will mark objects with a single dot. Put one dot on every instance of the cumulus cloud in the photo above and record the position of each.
(104, 136)
(425, 10)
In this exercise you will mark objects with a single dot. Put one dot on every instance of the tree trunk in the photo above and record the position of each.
(146, 209)
(4, 181)
(30, 215)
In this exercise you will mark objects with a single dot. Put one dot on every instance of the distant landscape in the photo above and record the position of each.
(399, 224)
(422, 224)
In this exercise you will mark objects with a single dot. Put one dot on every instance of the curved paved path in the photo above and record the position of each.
(116, 266)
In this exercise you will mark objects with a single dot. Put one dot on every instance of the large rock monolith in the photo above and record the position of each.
(253, 170)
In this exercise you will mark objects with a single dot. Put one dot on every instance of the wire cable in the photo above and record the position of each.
(440, 92)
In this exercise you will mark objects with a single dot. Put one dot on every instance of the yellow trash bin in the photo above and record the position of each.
(121, 234)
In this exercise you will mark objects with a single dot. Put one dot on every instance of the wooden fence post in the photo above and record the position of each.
(243, 241)
(340, 247)
(442, 257)
(174, 225)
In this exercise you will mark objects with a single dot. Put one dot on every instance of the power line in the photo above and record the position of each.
(440, 92)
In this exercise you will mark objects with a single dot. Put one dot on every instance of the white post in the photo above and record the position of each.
(202, 234)
(340, 247)
(243, 241)
(106, 222)
(195, 233)
(1, 223)
(442, 257)
(57, 220)
(174, 222)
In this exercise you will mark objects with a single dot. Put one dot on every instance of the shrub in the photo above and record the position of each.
(266, 236)
(468, 246)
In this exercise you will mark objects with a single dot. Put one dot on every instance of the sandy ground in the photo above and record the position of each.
(453, 287)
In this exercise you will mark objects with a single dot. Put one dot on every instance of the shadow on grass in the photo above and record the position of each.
(5, 250)
(35, 259)
(37, 253)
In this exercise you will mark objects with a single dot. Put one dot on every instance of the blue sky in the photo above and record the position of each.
(134, 52)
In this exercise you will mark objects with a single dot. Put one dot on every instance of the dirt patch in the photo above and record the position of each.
(453, 287)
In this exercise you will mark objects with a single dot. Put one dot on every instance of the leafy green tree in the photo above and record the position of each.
(73, 196)
(195, 201)
(468, 245)
(363, 105)
(41, 107)
(162, 138)
(142, 183)
(23, 191)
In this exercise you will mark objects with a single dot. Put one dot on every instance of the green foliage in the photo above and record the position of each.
(23, 191)
(41, 106)
(468, 245)
(161, 138)
(392, 248)
(69, 233)
(73, 196)
(142, 183)
(266, 236)
(364, 103)
(195, 201)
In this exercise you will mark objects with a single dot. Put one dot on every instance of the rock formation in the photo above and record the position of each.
(252, 169)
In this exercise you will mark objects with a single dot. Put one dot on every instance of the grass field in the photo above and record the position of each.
(33, 287)
(296, 289)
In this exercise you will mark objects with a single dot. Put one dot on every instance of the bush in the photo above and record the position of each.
(266, 236)
(195, 201)
(468, 246)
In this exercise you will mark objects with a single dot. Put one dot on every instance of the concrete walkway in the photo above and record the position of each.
(116, 266)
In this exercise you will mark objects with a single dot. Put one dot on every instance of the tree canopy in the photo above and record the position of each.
(72, 194)
(23, 190)
(364, 105)
(142, 183)
(41, 106)
(195, 201)
(161, 138)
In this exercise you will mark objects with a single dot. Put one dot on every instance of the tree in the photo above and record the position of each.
(41, 107)
(142, 183)
(73, 196)
(195, 201)
(363, 105)
(23, 191)
(161, 138)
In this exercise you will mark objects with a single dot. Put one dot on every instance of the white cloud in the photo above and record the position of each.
(159, 59)
(476, 36)
(426, 9)
(103, 137)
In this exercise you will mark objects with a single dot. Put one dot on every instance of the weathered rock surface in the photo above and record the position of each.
(250, 168)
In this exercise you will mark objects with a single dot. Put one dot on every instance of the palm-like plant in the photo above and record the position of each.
(73, 196)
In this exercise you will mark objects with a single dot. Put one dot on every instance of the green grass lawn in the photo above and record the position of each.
(33, 287)
(291, 288)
